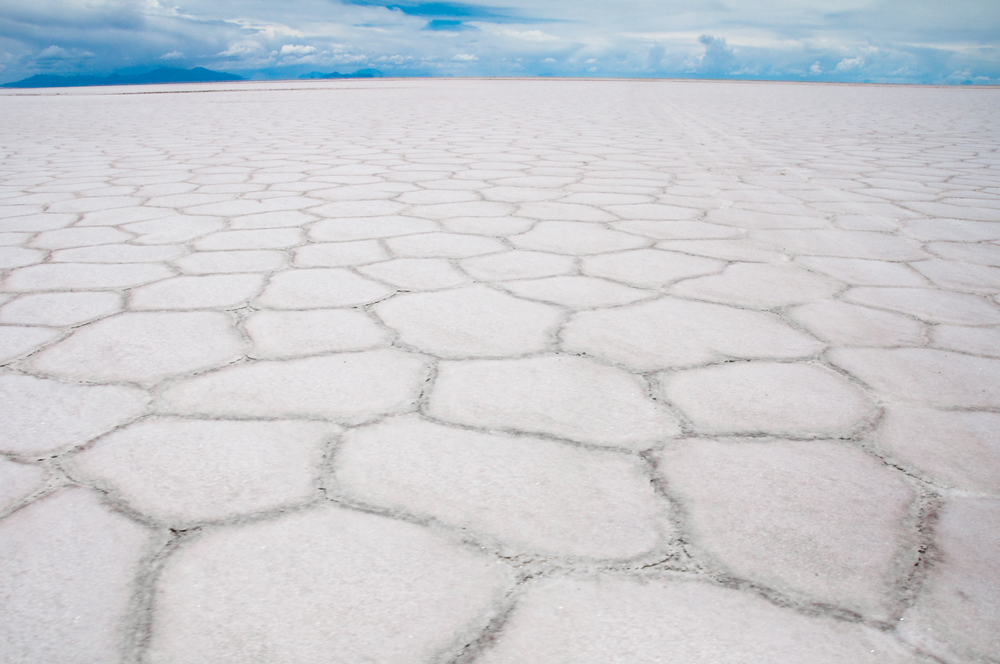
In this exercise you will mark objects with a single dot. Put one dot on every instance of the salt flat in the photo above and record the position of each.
(523, 371)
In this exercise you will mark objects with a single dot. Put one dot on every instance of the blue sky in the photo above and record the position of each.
(916, 41)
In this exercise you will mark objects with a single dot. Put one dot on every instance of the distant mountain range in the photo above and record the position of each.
(361, 73)
(162, 75)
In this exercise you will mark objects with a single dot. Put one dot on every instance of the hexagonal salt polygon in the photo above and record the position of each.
(851, 325)
(982, 253)
(575, 238)
(364, 228)
(416, 273)
(563, 212)
(676, 230)
(340, 254)
(475, 321)
(787, 399)
(320, 288)
(759, 286)
(576, 291)
(173, 229)
(217, 291)
(83, 276)
(670, 332)
(930, 304)
(296, 333)
(486, 225)
(960, 276)
(975, 340)
(958, 449)
(18, 481)
(67, 568)
(143, 347)
(42, 416)
(530, 494)
(649, 268)
(815, 518)
(188, 471)
(269, 238)
(79, 237)
(843, 244)
(611, 619)
(518, 265)
(925, 376)
(321, 583)
(119, 253)
(560, 395)
(747, 219)
(864, 272)
(216, 262)
(443, 245)
(347, 387)
(19, 257)
(18, 340)
(729, 250)
(956, 616)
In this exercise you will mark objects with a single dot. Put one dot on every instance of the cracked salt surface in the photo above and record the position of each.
(500, 371)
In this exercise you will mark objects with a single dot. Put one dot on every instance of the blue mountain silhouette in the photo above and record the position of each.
(361, 73)
(162, 75)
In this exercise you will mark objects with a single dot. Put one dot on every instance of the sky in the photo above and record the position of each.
(879, 41)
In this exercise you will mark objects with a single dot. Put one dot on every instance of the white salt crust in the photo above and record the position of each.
(499, 371)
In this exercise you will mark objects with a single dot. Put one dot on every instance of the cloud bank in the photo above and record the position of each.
(923, 41)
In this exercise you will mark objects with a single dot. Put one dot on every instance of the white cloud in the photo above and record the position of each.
(847, 64)
(54, 53)
(718, 58)
(173, 55)
(526, 35)
(241, 50)
(346, 58)
(264, 28)
(297, 49)
(815, 69)
(465, 57)
(393, 59)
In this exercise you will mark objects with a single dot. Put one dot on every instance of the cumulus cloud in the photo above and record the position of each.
(718, 58)
(266, 28)
(172, 55)
(847, 64)
(297, 49)
(393, 59)
(53, 53)
(56, 59)
(347, 58)
(241, 50)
